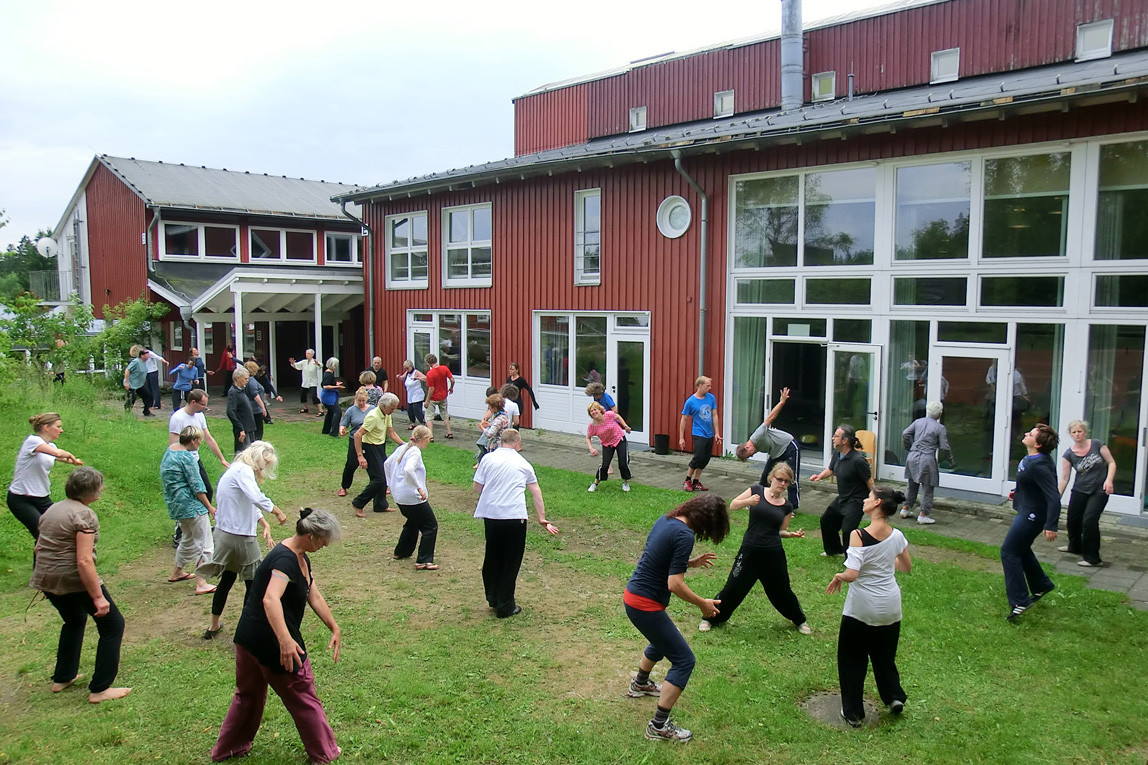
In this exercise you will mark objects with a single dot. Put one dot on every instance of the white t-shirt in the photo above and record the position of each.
(30, 478)
(415, 392)
(180, 419)
(406, 474)
(874, 597)
(239, 501)
(504, 475)
(511, 409)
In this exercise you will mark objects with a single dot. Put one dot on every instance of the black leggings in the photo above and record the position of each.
(765, 565)
(28, 510)
(219, 599)
(352, 463)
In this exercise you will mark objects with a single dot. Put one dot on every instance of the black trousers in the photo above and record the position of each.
(152, 387)
(75, 608)
(765, 565)
(142, 395)
(247, 439)
(352, 463)
(28, 510)
(859, 643)
(1084, 523)
(376, 490)
(505, 546)
(839, 521)
(792, 457)
(623, 451)
(331, 420)
(420, 520)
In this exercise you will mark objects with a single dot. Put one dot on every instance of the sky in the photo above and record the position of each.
(361, 93)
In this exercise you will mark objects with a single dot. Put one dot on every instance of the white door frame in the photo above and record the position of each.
(873, 408)
(640, 431)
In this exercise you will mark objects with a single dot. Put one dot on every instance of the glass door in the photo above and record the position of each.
(854, 396)
(975, 387)
(1115, 409)
(626, 382)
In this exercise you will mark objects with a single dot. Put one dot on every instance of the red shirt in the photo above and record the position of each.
(437, 377)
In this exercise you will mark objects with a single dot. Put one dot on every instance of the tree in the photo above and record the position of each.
(59, 337)
(18, 261)
(127, 324)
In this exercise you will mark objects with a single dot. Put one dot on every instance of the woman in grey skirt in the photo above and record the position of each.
(240, 505)
(923, 438)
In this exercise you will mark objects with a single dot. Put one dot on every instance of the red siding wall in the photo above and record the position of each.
(549, 120)
(885, 52)
(641, 270)
(117, 256)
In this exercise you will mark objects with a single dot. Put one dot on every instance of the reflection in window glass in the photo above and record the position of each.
(908, 378)
(590, 349)
(1122, 291)
(1022, 290)
(219, 242)
(554, 350)
(840, 215)
(1037, 376)
(971, 332)
(478, 345)
(926, 290)
(765, 222)
(1112, 395)
(933, 204)
(265, 244)
(450, 342)
(1026, 206)
(852, 330)
(1121, 226)
(790, 327)
(766, 290)
(180, 239)
(632, 321)
(837, 291)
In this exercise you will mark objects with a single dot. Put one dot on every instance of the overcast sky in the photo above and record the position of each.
(352, 92)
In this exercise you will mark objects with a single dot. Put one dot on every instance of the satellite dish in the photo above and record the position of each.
(47, 247)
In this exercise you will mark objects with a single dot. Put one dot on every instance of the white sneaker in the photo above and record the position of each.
(925, 520)
(906, 512)
(704, 625)
(804, 628)
(593, 487)
(625, 485)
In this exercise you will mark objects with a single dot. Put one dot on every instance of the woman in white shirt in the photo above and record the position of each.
(407, 478)
(30, 490)
(413, 381)
(239, 508)
(312, 370)
(871, 620)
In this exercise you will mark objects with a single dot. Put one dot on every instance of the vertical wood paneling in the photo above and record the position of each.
(117, 258)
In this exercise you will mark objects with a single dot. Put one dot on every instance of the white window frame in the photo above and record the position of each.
(356, 249)
(177, 336)
(1086, 31)
(944, 66)
(410, 283)
(471, 244)
(581, 276)
(201, 257)
(818, 83)
(637, 119)
(723, 104)
(282, 245)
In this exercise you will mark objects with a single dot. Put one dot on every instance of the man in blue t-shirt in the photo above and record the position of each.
(702, 409)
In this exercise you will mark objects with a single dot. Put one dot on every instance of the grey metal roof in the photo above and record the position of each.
(1002, 93)
(203, 188)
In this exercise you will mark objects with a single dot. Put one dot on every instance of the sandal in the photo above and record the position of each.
(183, 578)
(450, 435)
(303, 410)
(212, 589)
(341, 493)
(426, 567)
(209, 634)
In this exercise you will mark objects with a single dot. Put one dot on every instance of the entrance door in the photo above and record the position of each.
(854, 396)
(975, 387)
(627, 381)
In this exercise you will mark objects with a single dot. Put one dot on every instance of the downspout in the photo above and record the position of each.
(370, 281)
(704, 256)
(149, 239)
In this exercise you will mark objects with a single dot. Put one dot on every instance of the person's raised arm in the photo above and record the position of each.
(785, 533)
(60, 455)
(781, 399)
(743, 500)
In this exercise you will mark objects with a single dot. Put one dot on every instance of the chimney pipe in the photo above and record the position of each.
(792, 55)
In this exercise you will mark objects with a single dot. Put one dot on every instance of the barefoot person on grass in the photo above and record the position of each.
(66, 573)
(187, 504)
(661, 571)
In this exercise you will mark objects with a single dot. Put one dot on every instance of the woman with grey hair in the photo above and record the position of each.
(240, 505)
(312, 370)
(331, 387)
(923, 438)
(269, 649)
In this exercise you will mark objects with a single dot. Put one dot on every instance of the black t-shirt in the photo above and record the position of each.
(380, 375)
(764, 530)
(852, 472)
(523, 387)
(254, 631)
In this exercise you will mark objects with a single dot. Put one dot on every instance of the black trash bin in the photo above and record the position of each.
(661, 443)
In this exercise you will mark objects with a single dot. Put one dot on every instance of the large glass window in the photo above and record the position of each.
(1022, 290)
(1112, 395)
(478, 345)
(344, 248)
(765, 222)
(1036, 381)
(587, 236)
(840, 215)
(468, 240)
(554, 350)
(749, 375)
(933, 203)
(406, 250)
(930, 290)
(837, 291)
(1122, 291)
(590, 349)
(765, 291)
(450, 342)
(908, 381)
(265, 244)
(278, 244)
(200, 241)
(1121, 225)
(1026, 206)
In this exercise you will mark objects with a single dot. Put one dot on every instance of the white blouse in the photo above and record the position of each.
(30, 478)
(239, 502)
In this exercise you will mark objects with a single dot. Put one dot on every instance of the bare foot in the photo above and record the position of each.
(57, 687)
(109, 694)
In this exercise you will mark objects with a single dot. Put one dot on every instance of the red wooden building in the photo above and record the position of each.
(939, 201)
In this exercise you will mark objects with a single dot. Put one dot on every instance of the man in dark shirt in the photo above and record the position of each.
(854, 482)
(380, 374)
(239, 410)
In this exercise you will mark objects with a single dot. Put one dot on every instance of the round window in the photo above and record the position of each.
(674, 217)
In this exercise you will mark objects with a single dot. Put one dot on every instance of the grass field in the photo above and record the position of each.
(428, 675)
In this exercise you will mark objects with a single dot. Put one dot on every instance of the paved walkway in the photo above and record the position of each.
(1123, 547)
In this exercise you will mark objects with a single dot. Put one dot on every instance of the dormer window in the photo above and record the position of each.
(944, 66)
(824, 86)
(723, 104)
(1094, 40)
(637, 119)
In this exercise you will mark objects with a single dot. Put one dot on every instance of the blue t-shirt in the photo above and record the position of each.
(606, 402)
(702, 412)
(667, 553)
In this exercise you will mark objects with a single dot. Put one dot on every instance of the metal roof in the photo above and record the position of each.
(187, 187)
(1058, 84)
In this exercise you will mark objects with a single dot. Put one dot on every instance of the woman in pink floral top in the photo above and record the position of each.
(611, 430)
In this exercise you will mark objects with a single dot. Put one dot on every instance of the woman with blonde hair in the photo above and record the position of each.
(1095, 475)
(29, 494)
(407, 477)
(185, 494)
(331, 387)
(240, 505)
(367, 380)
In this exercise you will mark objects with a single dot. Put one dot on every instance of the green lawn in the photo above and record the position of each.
(428, 675)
